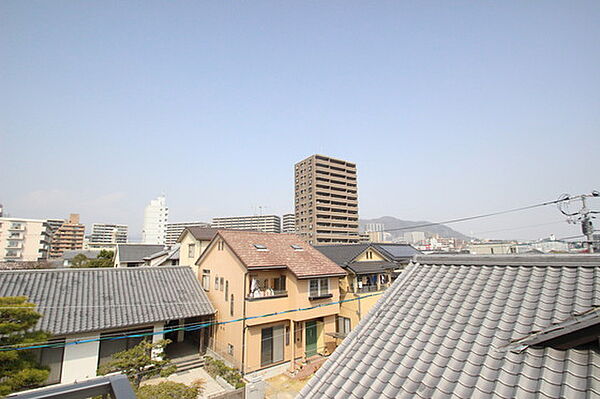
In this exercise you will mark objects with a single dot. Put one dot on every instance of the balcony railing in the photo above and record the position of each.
(266, 294)
(17, 227)
(369, 288)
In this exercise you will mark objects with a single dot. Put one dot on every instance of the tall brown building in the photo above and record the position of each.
(326, 200)
(67, 237)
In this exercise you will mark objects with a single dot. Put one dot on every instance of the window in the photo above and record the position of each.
(191, 250)
(220, 245)
(342, 325)
(230, 349)
(319, 287)
(260, 247)
(226, 290)
(222, 284)
(231, 306)
(206, 279)
(216, 283)
(296, 247)
(271, 348)
(369, 255)
(279, 283)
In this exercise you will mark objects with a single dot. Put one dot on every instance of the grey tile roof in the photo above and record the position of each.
(342, 254)
(371, 267)
(444, 327)
(136, 252)
(397, 252)
(80, 300)
(90, 254)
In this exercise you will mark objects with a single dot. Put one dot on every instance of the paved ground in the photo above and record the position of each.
(211, 387)
(284, 387)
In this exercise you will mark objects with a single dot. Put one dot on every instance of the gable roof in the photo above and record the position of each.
(129, 253)
(303, 263)
(398, 252)
(81, 300)
(443, 328)
(342, 254)
(199, 233)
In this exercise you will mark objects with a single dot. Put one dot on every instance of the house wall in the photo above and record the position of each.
(375, 256)
(184, 258)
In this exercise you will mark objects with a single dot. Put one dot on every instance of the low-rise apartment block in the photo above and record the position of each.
(103, 233)
(288, 223)
(24, 239)
(68, 237)
(266, 223)
(251, 276)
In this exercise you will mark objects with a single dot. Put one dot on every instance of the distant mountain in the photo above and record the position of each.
(391, 223)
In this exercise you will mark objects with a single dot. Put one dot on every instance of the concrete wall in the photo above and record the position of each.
(80, 361)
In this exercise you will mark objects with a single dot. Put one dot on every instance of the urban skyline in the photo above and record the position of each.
(444, 119)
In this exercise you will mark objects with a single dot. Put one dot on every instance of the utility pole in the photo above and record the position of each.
(583, 215)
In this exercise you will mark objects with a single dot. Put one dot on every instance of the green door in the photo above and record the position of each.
(311, 338)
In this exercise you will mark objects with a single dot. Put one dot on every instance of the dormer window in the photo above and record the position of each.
(260, 247)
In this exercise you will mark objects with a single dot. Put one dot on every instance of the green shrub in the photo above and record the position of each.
(216, 368)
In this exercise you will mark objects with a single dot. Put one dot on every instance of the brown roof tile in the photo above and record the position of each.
(303, 263)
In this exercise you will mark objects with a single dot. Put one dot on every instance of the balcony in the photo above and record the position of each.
(12, 255)
(17, 227)
(258, 295)
(14, 245)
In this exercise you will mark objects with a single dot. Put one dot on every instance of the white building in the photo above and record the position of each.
(289, 223)
(24, 239)
(156, 216)
(413, 237)
(174, 230)
(267, 223)
(108, 234)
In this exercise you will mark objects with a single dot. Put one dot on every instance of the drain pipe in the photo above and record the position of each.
(244, 327)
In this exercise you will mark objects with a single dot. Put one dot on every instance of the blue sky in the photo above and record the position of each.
(449, 109)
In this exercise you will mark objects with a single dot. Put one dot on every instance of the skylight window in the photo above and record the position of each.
(297, 247)
(260, 247)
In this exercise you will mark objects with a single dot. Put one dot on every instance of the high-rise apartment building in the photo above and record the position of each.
(266, 223)
(156, 216)
(326, 200)
(288, 222)
(103, 233)
(68, 237)
(174, 230)
(24, 239)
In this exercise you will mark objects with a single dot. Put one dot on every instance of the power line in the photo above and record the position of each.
(46, 344)
(485, 215)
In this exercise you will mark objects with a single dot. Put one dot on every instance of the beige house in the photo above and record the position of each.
(251, 278)
(193, 242)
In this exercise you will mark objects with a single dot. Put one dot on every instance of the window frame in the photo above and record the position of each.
(323, 288)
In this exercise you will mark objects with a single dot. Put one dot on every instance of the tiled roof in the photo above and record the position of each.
(200, 233)
(444, 327)
(303, 263)
(342, 254)
(81, 300)
(398, 252)
(137, 252)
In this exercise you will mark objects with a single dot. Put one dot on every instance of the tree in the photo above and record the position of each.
(104, 259)
(79, 260)
(139, 363)
(18, 368)
(171, 390)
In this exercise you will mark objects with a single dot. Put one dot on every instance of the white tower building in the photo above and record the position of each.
(156, 216)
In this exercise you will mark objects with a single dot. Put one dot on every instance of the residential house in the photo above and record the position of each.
(166, 257)
(134, 255)
(371, 269)
(193, 242)
(86, 306)
(475, 327)
(256, 277)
